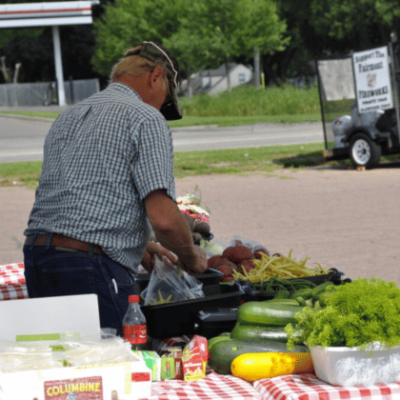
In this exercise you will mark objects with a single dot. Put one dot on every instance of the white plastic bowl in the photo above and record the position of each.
(351, 366)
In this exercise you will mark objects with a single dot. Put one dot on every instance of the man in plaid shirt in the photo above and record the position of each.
(107, 180)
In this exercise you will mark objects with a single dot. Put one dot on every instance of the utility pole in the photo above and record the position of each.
(16, 72)
(256, 67)
(4, 69)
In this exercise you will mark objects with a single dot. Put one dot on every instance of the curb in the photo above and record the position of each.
(16, 116)
(194, 127)
(51, 120)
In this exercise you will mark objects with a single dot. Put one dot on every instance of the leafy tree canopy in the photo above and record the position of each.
(126, 23)
(200, 33)
(361, 23)
(213, 31)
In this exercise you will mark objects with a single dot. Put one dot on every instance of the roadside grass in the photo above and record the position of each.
(36, 114)
(244, 120)
(244, 105)
(191, 163)
(243, 161)
(247, 160)
(250, 101)
(20, 174)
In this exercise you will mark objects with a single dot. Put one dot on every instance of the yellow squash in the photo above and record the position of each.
(255, 366)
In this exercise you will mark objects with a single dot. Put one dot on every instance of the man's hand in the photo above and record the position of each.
(172, 231)
(199, 264)
(154, 250)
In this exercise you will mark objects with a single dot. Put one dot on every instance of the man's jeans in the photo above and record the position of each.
(50, 272)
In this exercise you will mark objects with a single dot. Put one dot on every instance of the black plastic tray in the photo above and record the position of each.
(180, 318)
(250, 294)
(216, 322)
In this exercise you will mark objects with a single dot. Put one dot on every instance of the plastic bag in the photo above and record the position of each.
(251, 244)
(92, 351)
(169, 284)
(212, 248)
(26, 356)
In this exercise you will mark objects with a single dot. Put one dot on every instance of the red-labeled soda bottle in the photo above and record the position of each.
(134, 327)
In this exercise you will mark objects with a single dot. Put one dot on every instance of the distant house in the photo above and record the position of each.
(214, 81)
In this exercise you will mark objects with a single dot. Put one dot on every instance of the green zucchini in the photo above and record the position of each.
(217, 339)
(265, 313)
(260, 332)
(223, 353)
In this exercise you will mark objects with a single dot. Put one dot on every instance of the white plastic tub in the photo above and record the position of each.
(351, 366)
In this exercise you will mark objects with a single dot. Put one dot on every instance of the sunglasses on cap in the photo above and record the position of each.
(154, 53)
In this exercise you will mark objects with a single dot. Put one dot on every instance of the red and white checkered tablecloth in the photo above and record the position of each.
(12, 273)
(309, 387)
(12, 282)
(211, 387)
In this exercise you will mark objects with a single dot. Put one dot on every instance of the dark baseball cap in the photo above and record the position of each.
(160, 56)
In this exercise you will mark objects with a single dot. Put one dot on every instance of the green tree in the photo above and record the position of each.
(126, 23)
(216, 31)
(205, 37)
(361, 24)
(260, 27)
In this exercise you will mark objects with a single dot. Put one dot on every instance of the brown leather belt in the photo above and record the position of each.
(63, 242)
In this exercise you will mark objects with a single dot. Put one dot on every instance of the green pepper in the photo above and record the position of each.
(317, 291)
(323, 297)
(301, 301)
(304, 293)
(282, 294)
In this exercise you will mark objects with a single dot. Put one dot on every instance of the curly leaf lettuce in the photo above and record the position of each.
(356, 313)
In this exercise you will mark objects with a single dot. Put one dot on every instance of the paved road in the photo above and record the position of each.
(23, 139)
(208, 138)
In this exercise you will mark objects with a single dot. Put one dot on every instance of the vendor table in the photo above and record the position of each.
(212, 386)
(12, 282)
(287, 387)
(309, 387)
(215, 386)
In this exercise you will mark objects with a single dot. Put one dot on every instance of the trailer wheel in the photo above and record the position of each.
(364, 152)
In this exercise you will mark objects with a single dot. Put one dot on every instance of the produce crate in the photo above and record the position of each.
(353, 366)
(180, 318)
(250, 294)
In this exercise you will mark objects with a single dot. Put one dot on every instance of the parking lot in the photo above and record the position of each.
(340, 218)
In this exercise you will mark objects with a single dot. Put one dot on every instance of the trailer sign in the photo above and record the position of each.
(372, 80)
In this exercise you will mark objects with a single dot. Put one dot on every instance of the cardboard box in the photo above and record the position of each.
(153, 362)
(167, 367)
(122, 381)
(50, 320)
(194, 358)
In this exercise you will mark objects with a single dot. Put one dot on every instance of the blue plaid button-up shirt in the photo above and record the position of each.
(102, 157)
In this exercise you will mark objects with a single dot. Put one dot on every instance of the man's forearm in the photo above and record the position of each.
(177, 238)
(170, 227)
